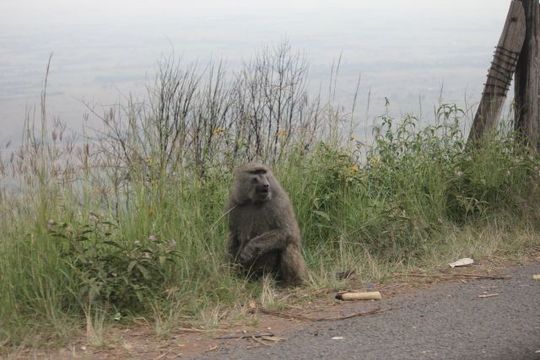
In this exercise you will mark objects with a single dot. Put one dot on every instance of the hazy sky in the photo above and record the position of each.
(403, 49)
(88, 9)
(45, 11)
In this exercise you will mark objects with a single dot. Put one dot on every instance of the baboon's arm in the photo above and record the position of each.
(233, 246)
(261, 244)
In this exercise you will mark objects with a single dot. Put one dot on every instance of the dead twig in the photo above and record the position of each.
(272, 338)
(213, 348)
(487, 277)
(257, 340)
(243, 336)
(308, 318)
(193, 330)
(483, 296)
(162, 355)
(450, 276)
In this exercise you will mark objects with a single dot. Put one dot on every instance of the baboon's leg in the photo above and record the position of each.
(233, 247)
(292, 266)
(267, 263)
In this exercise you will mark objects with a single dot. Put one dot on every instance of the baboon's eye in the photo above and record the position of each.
(254, 180)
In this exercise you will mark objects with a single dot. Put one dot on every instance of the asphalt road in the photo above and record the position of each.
(448, 321)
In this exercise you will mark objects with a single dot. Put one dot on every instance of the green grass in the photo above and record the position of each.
(132, 224)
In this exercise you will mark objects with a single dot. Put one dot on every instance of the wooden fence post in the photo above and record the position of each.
(500, 74)
(527, 89)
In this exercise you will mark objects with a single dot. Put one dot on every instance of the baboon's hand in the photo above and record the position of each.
(248, 254)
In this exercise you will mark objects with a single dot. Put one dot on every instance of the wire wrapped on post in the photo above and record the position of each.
(499, 77)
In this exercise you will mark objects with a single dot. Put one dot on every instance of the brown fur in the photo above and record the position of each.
(263, 233)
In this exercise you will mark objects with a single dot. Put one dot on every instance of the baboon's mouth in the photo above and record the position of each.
(263, 194)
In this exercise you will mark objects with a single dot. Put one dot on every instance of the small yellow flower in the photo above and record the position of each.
(218, 131)
(374, 161)
(354, 168)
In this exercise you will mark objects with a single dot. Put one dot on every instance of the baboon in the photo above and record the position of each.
(263, 233)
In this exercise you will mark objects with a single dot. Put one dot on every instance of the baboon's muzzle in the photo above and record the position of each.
(263, 192)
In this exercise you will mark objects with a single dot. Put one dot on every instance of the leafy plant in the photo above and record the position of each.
(108, 269)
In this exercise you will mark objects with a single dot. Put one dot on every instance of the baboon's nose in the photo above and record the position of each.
(264, 189)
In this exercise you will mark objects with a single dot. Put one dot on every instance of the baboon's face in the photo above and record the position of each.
(258, 180)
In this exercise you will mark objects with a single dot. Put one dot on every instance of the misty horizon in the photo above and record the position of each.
(404, 51)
